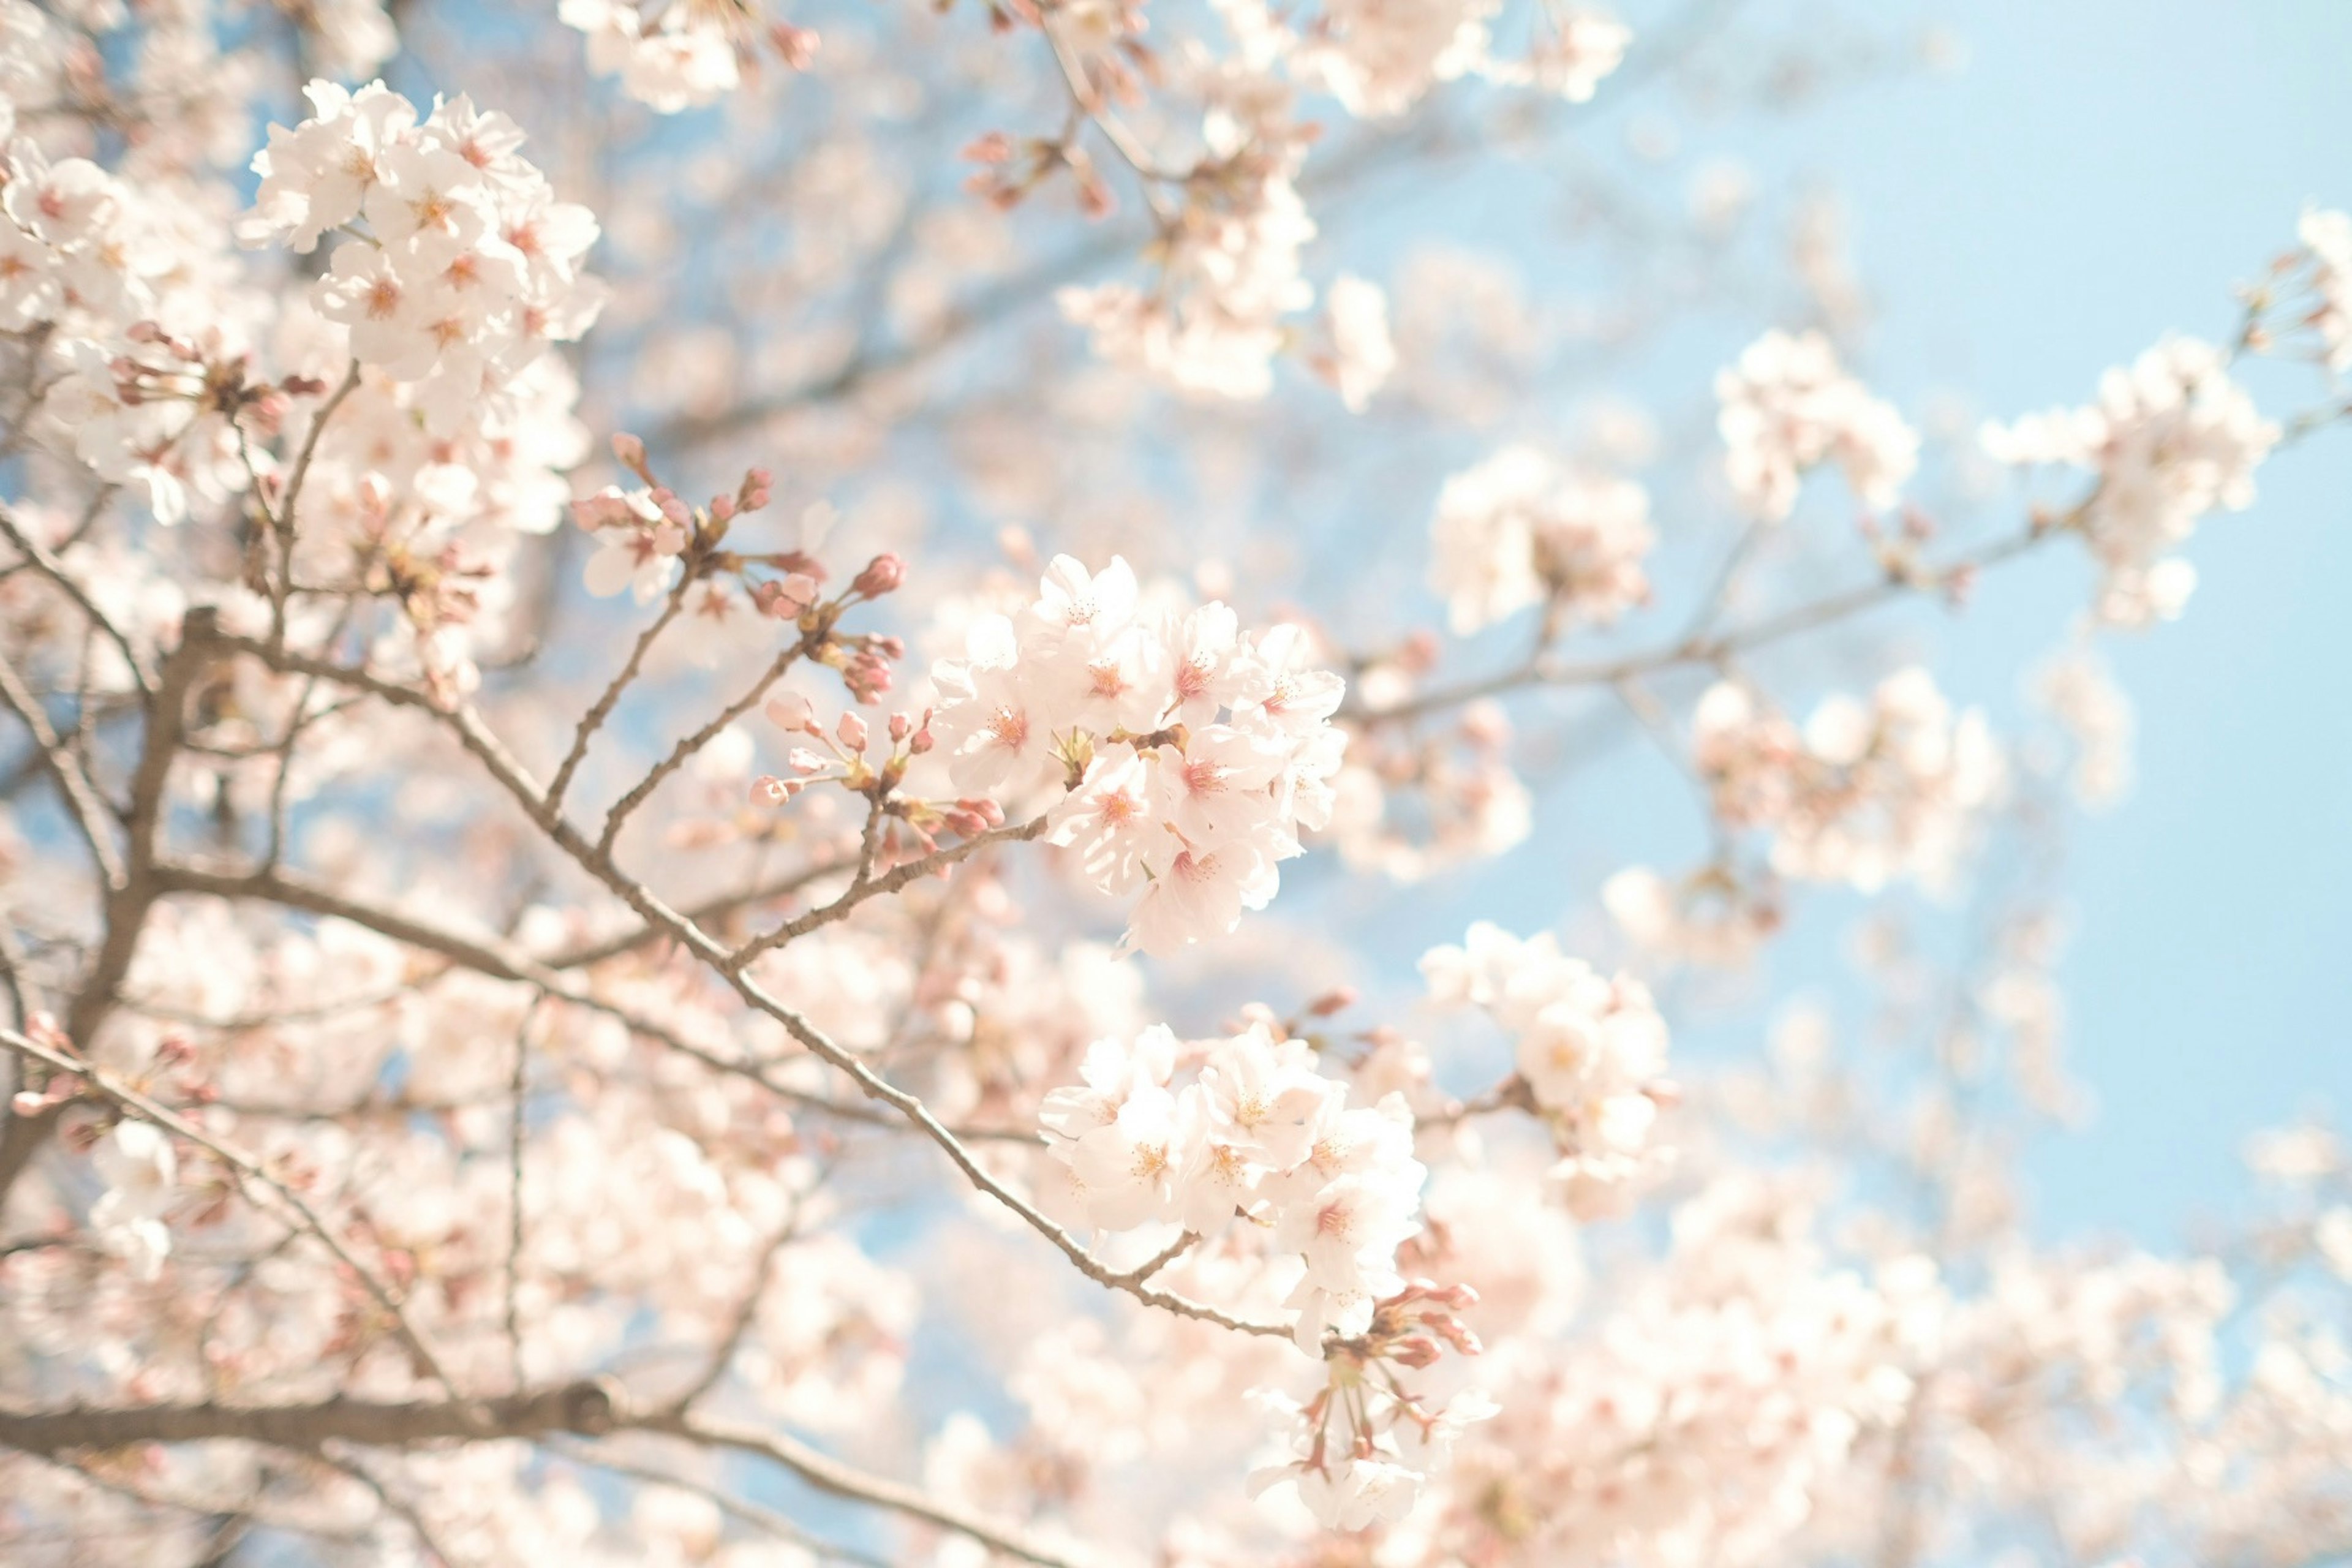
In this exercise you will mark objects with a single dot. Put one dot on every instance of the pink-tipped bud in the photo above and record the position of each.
(796, 46)
(722, 507)
(1331, 1002)
(866, 677)
(632, 454)
(901, 727)
(769, 790)
(883, 575)
(852, 732)
(1414, 1353)
(789, 711)
(995, 147)
(805, 761)
(921, 742)
(753, 494)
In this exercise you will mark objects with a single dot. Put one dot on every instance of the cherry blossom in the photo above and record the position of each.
(1106, 717)
(524, 1040)
(1788, 406)
(1517, 532)
(2170, 439)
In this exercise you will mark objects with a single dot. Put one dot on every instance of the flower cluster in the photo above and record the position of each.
(1187, 756)
(1579, 51)
(1704, 1421)
(1380, 60)
(467, 266)
(1520, 530)
(1257, 1133)
(1866, 793)
(1229, 258)
(1711, 917)
(142, 1176)
(1364, 1446)
(147, 347)
(681, 54)
(1788, 406)
(1412, 804)
(2170, 439)
(1354, 352)
(1591, 1052)
(2079, 692)
(2327, 235)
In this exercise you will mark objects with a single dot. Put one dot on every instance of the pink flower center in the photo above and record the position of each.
(1010, 726)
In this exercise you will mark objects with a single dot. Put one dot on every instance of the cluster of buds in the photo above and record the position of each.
(157, 367)
(1009, 171)
(845, 754)
(1366, 1443)
(1407, 1328)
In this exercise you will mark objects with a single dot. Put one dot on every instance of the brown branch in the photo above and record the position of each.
(90, 814)
(133, 892)
(610, 698)
(584, 1409)
(49, 566)
(681, 753)
(890, 881)
(587, 1409)
(830, 1474)
(1699, 647)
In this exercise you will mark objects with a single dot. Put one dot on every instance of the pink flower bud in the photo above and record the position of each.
(722, 507)
(1331, 1002)
(631, 453)
(883, 575)
(900, 725)
(852, 731)
(769, 790)
(1414, 1353)
(796, 46)
(805, 761)
(789, 711)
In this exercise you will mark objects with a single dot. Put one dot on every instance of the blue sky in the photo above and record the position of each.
(2120, 161)
(2100, 172)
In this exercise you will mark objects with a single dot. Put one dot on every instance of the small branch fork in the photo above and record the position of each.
(1701, 646)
